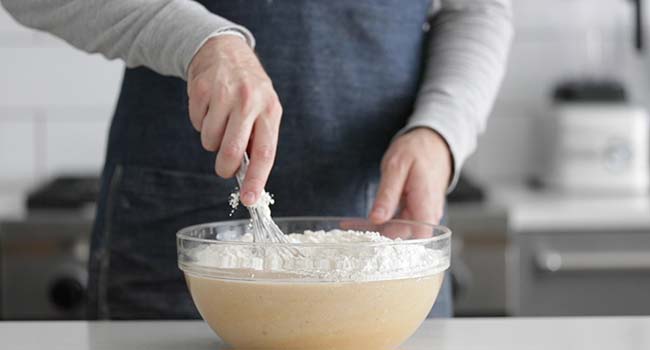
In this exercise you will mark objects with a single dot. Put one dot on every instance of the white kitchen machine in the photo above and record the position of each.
(598, 142)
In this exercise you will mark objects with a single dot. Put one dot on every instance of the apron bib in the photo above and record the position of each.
(346, 72)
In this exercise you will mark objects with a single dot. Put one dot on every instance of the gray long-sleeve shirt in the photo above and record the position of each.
(465, 60)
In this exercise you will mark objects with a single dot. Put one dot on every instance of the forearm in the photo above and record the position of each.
(466, 60)
(163, 35)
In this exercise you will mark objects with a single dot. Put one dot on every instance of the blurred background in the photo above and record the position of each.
(552, 216)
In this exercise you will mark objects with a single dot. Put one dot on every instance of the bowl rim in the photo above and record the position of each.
(445, 233)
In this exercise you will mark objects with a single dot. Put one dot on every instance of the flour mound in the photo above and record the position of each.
(342, 255)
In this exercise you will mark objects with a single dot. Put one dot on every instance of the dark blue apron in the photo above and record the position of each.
(346, 72)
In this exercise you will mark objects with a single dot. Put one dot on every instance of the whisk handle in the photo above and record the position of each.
(243, 168)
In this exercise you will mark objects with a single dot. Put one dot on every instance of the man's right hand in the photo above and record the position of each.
(233, 105)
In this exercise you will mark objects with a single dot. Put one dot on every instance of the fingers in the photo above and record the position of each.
(262, 151)
(425, 206)
(416, 230)
(212, 129)
(394, 173)
(359, 225)
(199, 96)
(423, 201)
(234, 143)
(208, 114)
(395, 229)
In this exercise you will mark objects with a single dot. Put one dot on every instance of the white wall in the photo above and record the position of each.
(55, 105)
(56, 102)
(551, 45)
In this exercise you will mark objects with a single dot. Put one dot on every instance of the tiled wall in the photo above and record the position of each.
(55, 105)
(55, 102)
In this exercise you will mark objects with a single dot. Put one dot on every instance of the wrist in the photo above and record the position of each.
(225, 39)
(439, 143)
(214, 46)
(230, 32)
(430, 133)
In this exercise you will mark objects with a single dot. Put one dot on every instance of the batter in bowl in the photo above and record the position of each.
(351, 290)
(350, 315)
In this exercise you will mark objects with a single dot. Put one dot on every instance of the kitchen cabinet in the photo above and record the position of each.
(576, 254)
(580, 273)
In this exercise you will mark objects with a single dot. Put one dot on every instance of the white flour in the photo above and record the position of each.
(356, 262)
(377, 259)
(264, 202)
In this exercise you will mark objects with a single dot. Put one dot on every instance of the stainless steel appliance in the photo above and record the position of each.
(577, 272)
(43, 267)
(599, 147)
(44, 255)
(479, 258)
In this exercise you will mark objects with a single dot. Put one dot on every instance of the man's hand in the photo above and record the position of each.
(233, 105)
(415, 174)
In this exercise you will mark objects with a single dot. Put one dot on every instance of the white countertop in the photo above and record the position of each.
(529, 210)
(612, 333)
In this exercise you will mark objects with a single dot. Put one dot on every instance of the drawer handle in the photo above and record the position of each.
(556, 261)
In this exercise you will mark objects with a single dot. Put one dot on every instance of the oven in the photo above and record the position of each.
(43, 267)
(579, 273)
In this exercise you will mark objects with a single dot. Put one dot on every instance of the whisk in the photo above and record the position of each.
(264, 228)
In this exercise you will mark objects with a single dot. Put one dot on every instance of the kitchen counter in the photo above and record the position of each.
(629, 333)
(531, 210)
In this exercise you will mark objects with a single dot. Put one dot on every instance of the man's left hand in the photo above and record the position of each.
(415, 173)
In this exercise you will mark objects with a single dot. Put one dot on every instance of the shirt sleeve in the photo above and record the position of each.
(466, 58)
(162, 35)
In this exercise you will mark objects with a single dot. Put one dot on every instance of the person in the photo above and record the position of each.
(381, 102)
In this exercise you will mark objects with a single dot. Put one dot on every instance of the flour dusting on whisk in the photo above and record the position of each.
(263, 203)
(233, 200)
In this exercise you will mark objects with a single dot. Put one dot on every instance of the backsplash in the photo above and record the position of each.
(56, 102)
(55, 105)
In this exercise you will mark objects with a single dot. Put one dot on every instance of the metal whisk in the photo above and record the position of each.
(264, 228)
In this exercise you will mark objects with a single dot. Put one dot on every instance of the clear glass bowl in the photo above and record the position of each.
(285, 296)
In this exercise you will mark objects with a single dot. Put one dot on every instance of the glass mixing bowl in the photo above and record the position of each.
(288, 296)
